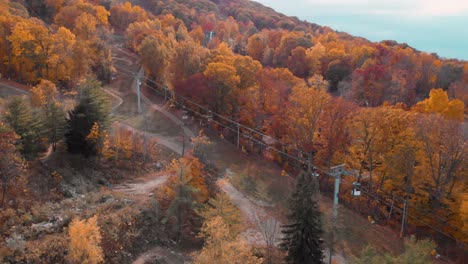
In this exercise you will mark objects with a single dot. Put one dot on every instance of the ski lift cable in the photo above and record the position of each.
(410, 216)
(216, 114)
(299, 150)
(275, 149)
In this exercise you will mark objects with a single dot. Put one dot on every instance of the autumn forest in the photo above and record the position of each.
(206, 131)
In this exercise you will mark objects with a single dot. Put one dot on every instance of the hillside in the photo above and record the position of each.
(172, 130)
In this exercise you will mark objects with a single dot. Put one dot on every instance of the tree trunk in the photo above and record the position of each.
(3, 194)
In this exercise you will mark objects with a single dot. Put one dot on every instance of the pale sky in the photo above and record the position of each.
(439, 26)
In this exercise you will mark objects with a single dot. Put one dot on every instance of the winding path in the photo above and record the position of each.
(116, 96)
(250, 211)
(171, 143)
(144, 187)
(8, 85)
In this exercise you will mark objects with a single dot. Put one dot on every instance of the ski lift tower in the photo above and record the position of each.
(335, 172)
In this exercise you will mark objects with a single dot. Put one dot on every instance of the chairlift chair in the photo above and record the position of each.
(184, 113)
(209, 115)
(356, 189)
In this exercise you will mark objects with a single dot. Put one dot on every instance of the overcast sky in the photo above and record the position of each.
(439, 26)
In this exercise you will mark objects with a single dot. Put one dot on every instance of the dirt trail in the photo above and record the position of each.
(247, 207)
(169, 142)
(172, 143)
(162, 254)
(115, 95)
(156, 107)
(188, 132)
(250, 210)
(144, 187)
(20, 88)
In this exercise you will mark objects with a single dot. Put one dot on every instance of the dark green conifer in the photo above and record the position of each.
(28, 125)
(93, 107)
(55, 124)
(302, 235)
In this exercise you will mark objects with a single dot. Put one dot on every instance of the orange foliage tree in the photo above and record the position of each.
(223, 80)
(333, 138)
(306, 106)
(194, 174)
(85, 242)
(443, 159)
(155, 53)
(32, 45)
(122, 15)
(11, 163)
(43, 94)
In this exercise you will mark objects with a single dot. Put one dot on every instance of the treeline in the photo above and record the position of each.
(76, 43)
(367, 73)
(73, 45)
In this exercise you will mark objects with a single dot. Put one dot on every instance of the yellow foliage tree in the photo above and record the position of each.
(32, 45)
(365, 130)
(62, 60)
(222, 206)
(247, 70)
(314, 56)
(194, 171)
(137, 31)
(155, 52)
(455, 110)
(107, 151)
(441, 173)
(43, 94)
(122, 144)
(220, 247)
(85, 242)
(438, 102)
(223, 78)
(117, 147)
(85, 26)
(189, 58)
(121, 15)
(306, 107)
(95, 134)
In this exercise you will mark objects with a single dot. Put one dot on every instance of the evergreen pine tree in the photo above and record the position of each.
(55, 124)
(92, 108)
(301, 236)
(27, 124)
